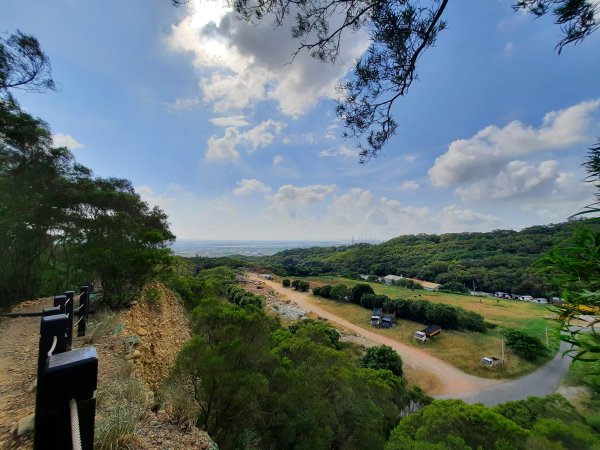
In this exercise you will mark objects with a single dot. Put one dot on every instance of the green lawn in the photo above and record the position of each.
(461, 349)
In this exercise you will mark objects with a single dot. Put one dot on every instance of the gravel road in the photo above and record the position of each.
(453, 383)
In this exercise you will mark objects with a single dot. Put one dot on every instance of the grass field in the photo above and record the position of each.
(461, 349)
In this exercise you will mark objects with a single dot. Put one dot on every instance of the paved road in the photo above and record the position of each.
(453, 383)
(543, 381)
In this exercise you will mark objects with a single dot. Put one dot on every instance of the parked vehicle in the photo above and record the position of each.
(427, 333)
(490, 361)
(376, 316)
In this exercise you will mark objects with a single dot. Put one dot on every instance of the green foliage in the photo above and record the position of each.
(339, 292)
(59, 224)
(317, 331)
(524, 345)
(446, 316)
(408, 284)
(285, 282)
(526, 413)
(303, 286)
(574, 435)
(383, 357)
(453, 286)
(257, 384)
(358, 291)
(240, 296)
(500, 260)
(455, 425)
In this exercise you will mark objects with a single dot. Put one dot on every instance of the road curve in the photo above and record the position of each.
(452, 381)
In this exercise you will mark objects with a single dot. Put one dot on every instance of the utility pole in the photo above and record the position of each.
(502, 351)
(547, 342)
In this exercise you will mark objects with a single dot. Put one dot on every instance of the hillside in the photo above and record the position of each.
(499, 260)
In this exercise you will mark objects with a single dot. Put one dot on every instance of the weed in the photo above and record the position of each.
(104, 324)
(176, 399)
(121, 404)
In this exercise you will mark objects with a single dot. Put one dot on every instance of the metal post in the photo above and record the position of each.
(51, 326)
(70, 375)
(60, 301)
(84, 301)
(69, 312)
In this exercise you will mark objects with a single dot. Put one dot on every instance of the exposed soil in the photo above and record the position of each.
(440, 378)
(146, 337)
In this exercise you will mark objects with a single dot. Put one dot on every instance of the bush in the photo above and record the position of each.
(408, 284)
(339, 292)
(370, 301)
(383, 357)
(454, 287)
(358, 291)
(524, 345)
(285, 282)
(303, 286)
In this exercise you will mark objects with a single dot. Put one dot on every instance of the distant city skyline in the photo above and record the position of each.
(206, 118)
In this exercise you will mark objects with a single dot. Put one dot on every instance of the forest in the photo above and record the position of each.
(500, 260)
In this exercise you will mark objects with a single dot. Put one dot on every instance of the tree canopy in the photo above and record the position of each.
(400, 32)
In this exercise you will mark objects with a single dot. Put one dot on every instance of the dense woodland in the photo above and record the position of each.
(255, 384)
(501, 260)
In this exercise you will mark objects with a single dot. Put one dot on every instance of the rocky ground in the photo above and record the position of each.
(143, 340)
(275, 302)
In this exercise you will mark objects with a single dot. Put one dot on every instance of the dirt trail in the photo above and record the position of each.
(450, 379)
(19, 338)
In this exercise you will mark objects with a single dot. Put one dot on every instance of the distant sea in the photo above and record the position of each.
(193, 247)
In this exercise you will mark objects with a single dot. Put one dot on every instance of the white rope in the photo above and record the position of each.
(53, 346)
(75, 431)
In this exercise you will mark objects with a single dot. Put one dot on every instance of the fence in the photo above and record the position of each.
(65, 405)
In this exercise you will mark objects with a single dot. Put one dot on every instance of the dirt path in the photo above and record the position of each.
(19, 338)
(450, 380)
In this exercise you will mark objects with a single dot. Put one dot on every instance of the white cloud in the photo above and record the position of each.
(227, 147)
(277, 159)
(293, 201)
(247, 63)
(410, 158)
(286, 140)
(330, 131)
(251, 186)
(230, 121)
(342, 150)
(410, 185)
(491, 149)
(66, 140)
(455, 218)
(182, 104)
(508, 49)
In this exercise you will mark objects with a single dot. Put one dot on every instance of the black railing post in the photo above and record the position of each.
(84, 305)
(68, 376)
(69, 312)
(60, 301)
(51, 326)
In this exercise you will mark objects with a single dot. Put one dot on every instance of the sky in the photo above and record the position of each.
(208, 118)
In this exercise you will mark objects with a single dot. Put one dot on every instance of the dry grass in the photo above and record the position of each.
(461, 349)
(121, 404)
(105, 323)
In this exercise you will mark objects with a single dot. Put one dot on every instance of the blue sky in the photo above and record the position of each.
(201, 112)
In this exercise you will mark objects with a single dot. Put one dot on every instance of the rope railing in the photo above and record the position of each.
(75, 431)
(54, 342)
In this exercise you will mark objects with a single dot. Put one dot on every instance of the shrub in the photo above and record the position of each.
(303, 286)
(454, 287)
(286, 282)
(358, 291)
(383, 357)
(524, 345)
(339, 292)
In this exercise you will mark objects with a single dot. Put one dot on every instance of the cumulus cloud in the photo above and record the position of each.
(66, 140)
(455, 218)
(242, 63)
(409, 185)
(491, 149)
(251, 186)
(230, 121)
(292, 201)
(277, 159)
(228, 146)
(342, 151)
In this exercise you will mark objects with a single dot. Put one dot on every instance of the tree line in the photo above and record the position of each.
(500, 260)
(59, 224)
